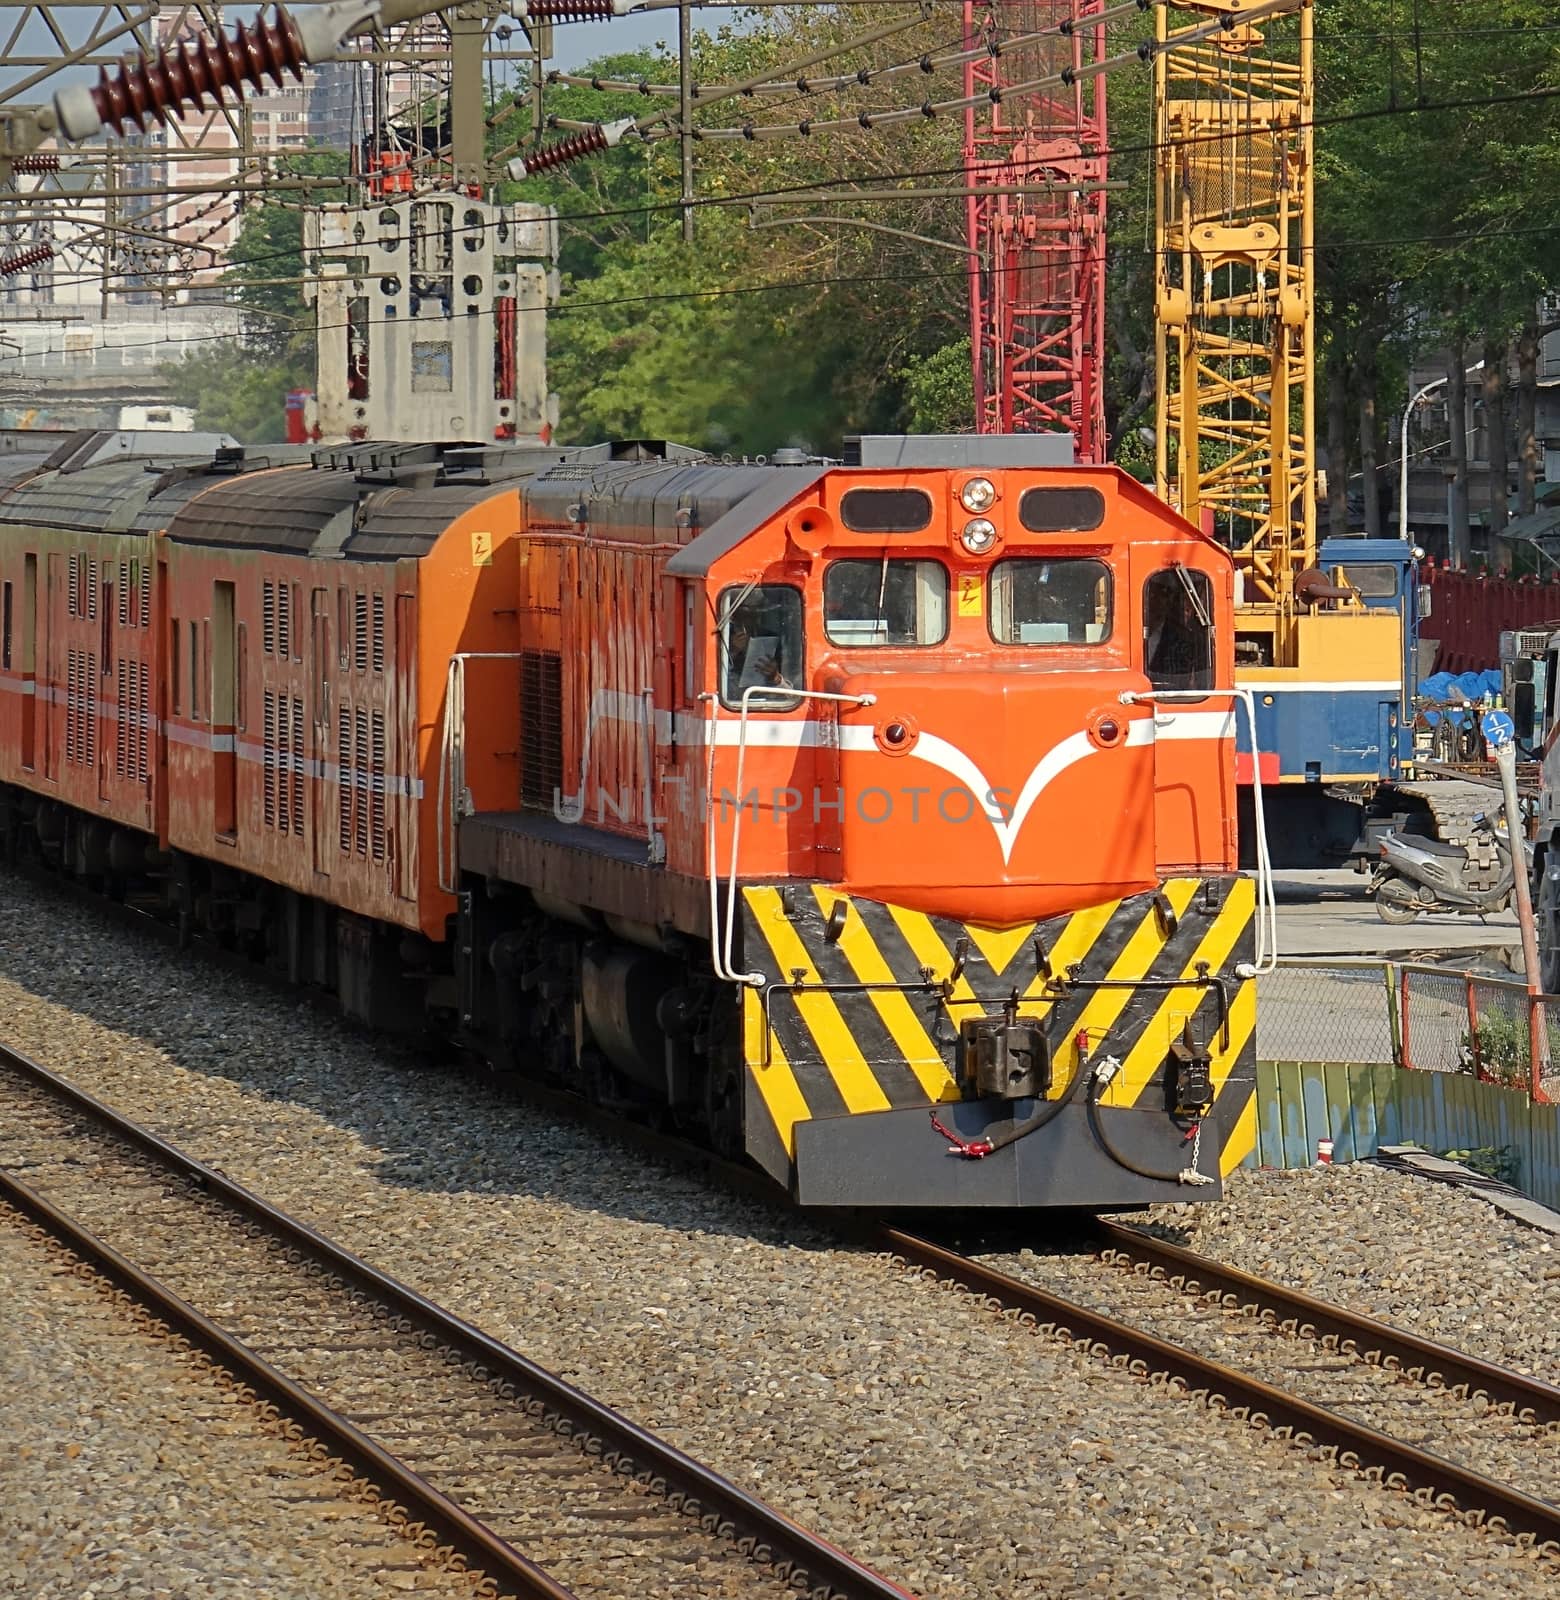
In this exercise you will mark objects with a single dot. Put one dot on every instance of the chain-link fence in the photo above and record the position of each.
(1413, 1015)
(1333, 1012)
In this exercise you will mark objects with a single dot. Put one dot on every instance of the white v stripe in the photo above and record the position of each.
(948, 758)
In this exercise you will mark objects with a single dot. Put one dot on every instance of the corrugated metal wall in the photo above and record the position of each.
(1470, 610)
(1360, 1106)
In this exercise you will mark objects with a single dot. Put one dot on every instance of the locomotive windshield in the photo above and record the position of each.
(761, 645)
(879, 601)
(1050, 600)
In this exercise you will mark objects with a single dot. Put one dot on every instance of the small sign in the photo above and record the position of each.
(482, 549)
(972, 589)
(1499, 729)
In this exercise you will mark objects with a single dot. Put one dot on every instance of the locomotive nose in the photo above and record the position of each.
(995, 798)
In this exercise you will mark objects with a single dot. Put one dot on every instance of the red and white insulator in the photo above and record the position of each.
(206, 68)
(571, 10)
(574, 148)
(33, 256)
(38, 161)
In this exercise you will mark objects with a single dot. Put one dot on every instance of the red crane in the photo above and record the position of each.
(1037, 276)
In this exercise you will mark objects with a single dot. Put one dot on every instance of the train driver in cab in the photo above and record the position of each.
(756, 653)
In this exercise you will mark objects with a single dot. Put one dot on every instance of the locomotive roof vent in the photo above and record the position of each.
(958, 450)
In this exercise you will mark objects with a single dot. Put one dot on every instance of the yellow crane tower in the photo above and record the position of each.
(1327, 654)
(1235, 297)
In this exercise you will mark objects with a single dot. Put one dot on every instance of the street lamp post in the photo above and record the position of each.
(1408, 411)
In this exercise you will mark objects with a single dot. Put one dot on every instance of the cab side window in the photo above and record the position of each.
(759, 633)
(1178, 641)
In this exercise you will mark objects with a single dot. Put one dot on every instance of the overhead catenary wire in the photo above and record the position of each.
(572, 305)
(729, 91)
(1143, 147)
(1149, 147)
(808, 192)
(778, 82)
(1141, 55)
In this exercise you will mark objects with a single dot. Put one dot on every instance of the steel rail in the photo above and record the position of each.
(1530, 1399)
(761, 1531)
(1401, 1465)
(481, 1547)
(1450, 1486)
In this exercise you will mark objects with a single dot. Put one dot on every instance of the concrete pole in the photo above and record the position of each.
(685, 123)
(1408, 411)
(1500, 734)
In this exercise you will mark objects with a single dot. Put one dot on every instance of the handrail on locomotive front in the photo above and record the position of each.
(1267, 899)
(720, 940)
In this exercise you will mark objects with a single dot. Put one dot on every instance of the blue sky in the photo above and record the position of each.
(580, 42)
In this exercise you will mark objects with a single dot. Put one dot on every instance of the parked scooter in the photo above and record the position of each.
(1418, 875)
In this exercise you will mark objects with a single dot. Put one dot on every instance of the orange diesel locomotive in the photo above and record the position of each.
(876, 819)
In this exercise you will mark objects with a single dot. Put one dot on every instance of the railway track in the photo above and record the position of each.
(1508, 1417)
(1515, 1412)
(470, 1447)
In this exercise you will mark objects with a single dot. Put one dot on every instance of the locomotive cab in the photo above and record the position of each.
(932, 706)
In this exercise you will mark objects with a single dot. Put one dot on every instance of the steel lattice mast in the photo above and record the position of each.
(1235, 291)
(1037, 277)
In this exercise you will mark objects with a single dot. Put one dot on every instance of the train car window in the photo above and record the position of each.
(886, 510)
(1375, 580)
(5, 647)
(1044, 601)
(1178, 639)
(761, 645)
(878, 601)
(195, 671)
(1061, 510)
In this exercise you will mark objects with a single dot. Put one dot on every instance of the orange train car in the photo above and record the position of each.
(874, 819)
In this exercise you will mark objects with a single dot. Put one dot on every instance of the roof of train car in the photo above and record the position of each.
(661, 502)
(132, 493)
(14, 467)
(377, 502)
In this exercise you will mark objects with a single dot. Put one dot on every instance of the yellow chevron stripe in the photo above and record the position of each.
(1072, 945)
(1074, 942)
(837, 1046)
(1153, 1042)
(929, 950)
(1105, 1005)
(904, 1025)
(999, 945)
(776, 1081)
(1242, 1137)
(1243, 1022)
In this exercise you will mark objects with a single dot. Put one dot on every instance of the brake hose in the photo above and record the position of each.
(1046, 1111)
(1186, 1175)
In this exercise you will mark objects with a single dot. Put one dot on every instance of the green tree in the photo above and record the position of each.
(940, 390)
(242, 388)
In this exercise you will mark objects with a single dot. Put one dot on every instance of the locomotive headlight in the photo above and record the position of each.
(978, 495)
(979, 536)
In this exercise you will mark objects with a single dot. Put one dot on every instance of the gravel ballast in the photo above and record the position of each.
(130, 1472)
(1427, 1256)
(959, 1454)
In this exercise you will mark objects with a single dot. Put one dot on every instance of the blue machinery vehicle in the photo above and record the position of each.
(1335, 728)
